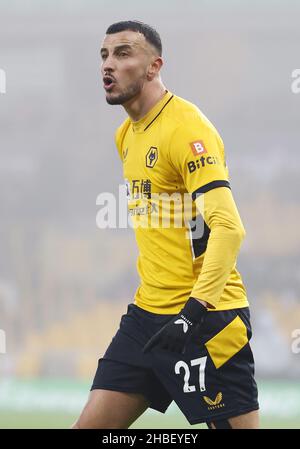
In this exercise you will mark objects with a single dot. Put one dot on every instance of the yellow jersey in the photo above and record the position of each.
(171, 155)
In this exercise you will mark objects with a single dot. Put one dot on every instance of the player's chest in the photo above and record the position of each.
(146, 164)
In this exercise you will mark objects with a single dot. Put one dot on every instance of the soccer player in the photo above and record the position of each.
(186, 335)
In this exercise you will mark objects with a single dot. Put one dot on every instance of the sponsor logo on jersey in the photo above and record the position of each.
(151, 157)
(198, 148)
(216, 403)
(141, 188)
(202, 162)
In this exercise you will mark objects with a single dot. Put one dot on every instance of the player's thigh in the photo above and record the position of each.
(245, 421)
(107, 409)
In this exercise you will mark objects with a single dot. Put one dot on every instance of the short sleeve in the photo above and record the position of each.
(119, 137)
(118, 142)
(196, 151)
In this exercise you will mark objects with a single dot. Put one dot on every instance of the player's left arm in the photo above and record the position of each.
(226, 235)
(197, 154)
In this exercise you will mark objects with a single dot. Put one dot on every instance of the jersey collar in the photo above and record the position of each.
(142, 124)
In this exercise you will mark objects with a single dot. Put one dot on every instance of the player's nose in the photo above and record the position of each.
(107, 65)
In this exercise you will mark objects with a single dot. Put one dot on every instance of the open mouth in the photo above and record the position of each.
(108, 82)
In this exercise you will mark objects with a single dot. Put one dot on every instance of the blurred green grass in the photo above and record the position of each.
(29, 420)
(56, 403)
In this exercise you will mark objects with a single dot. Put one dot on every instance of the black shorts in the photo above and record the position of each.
(213, 379)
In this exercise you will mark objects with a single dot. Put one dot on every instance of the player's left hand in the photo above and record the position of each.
(177, 332)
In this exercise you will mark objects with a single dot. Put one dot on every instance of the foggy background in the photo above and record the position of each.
(64, 283)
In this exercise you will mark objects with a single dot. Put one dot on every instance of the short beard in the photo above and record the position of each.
(131, 92)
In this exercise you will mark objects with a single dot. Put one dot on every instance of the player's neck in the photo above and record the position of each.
(138, 107)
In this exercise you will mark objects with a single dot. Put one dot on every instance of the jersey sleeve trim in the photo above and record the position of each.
(210, 186)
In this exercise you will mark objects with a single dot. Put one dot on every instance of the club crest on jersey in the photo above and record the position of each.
(151, 157)
(198, 148)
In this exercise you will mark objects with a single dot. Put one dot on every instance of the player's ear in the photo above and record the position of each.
(154, 68)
